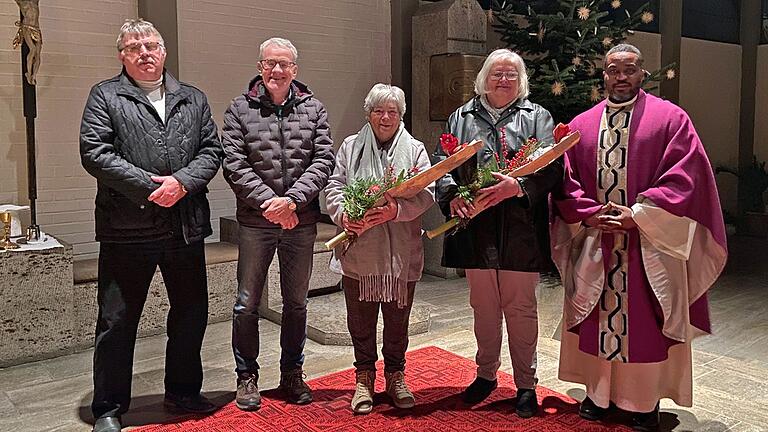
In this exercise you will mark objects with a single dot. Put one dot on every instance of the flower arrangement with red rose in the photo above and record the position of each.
(531, 150)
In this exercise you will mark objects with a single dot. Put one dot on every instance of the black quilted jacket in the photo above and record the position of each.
(275, 151)
(123, 142)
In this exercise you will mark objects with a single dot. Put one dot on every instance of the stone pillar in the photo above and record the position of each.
(449, 26)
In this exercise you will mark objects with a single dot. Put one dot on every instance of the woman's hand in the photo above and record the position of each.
(461, 208)
(373, 217)
(507, 187)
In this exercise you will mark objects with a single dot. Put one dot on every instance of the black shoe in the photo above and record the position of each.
(588, 410)
(293, 385)
(248, 397)
(194, 404)
(527, 405)
(107, 424)
(646, 422)
(478, 390)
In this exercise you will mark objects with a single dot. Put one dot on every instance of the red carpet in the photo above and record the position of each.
(435, 376)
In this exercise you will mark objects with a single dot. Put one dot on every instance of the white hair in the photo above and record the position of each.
(137, 27)
(281, 43)
(383, 93)
(502, 54)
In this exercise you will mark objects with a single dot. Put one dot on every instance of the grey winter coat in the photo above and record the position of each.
(123, 142)
(277, 151)
(513, 235)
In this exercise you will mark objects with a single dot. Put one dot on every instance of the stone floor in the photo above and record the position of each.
(730, 367)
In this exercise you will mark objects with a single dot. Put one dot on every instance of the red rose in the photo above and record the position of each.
(374, 189)
(449, 143)
(560, 132)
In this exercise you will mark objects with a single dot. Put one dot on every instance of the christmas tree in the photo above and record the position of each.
(563, 43)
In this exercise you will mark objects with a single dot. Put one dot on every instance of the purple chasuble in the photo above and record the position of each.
(648, 149)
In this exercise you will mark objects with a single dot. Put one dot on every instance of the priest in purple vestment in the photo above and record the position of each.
(638, 237)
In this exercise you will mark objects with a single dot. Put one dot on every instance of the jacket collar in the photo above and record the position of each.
(174, 92)
(474, 106)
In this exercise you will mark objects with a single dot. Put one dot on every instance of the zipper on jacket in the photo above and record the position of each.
(282, 147)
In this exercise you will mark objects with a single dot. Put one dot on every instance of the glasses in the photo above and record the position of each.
(271, 63)
(135, 48)
(510, 76)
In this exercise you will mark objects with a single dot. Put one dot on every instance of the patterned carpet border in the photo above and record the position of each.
(435, 376)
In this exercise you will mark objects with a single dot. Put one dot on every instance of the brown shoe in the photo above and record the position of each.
(248, 397)
(398, 390)
(293, 385)
(362, 401)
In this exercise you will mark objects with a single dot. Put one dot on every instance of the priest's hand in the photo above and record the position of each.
(507, 187)
(616, 217)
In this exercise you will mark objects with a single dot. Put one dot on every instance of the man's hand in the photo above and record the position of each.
(461, 208)
(277, 209)
(169, 192)
(616, 218)
(290, 222)
(507, 187)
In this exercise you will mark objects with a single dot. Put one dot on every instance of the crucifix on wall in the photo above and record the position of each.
(30, 39)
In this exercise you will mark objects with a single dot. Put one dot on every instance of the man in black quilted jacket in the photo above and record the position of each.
(152, 145)
(278, 157)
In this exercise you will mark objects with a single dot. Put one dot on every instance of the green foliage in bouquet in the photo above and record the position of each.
(563, 43)
(362, 194)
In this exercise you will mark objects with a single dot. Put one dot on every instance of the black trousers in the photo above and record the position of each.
(362, 318)
(125, 272)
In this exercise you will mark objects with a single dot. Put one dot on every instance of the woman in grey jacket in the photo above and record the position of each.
(504, 248)
(381, 267)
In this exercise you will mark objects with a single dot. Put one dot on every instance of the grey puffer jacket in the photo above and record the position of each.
(277, 151)
(123, 142)
(512, 235)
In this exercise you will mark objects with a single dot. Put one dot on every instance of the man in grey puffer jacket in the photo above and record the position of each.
(278, 157)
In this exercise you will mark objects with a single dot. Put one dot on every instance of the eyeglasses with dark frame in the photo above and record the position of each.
(135, 48)
(271, 63)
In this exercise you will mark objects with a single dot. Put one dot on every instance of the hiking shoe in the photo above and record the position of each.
(362, 401)
(527, 405)
(293, 385)
(248, 397)
(480, 389)
(398, 390)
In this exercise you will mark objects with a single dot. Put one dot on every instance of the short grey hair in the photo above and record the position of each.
(278, 42)
(137, 27)
(497, 56)
(625, 47)
(383, 93)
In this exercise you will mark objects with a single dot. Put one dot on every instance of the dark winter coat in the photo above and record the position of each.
(123, 142)
(513, 235)
(277, 151)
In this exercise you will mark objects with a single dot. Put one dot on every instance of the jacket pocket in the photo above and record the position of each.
(125, 214)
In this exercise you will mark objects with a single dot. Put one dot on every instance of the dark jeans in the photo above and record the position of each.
(294, 253)
(362, 318)
(125, 272)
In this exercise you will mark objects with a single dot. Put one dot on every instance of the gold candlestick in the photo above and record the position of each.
(7, 243)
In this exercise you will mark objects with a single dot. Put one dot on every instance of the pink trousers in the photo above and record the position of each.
(509, 295)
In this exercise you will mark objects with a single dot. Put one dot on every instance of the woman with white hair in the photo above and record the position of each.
(380, 269)
(504, 247)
